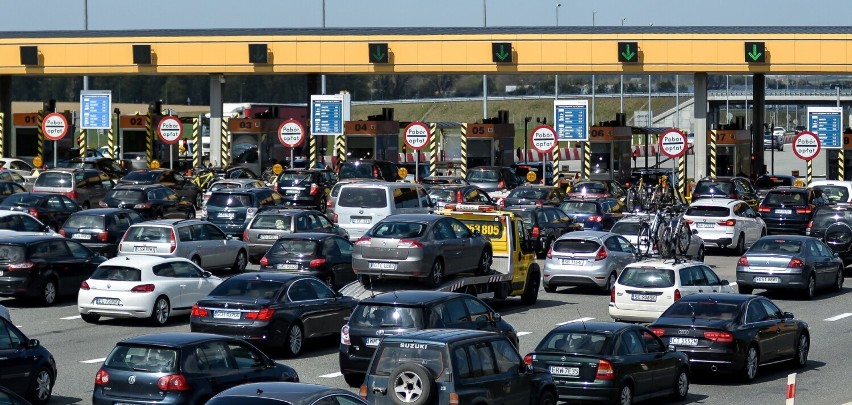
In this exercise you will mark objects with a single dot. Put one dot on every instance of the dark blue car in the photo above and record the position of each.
(788, 210)
(593, 214)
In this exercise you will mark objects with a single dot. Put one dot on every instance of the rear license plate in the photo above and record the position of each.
(573, 262)
(287, 266)
(107, 301)
(382, 266)
(643, 297)
(268, 237)
(293, 191)
(80, 236)
(226, 314)
(769, 280)
(569, 371)
(145, 249)
(373, 342)
(226, 215)
(361, 220)
(786, 212)
(682, 341)
(703, 225)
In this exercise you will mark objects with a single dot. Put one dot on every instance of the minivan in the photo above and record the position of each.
(361, 205)
(86, 187)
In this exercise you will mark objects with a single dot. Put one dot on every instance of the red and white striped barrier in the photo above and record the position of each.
(791, 389)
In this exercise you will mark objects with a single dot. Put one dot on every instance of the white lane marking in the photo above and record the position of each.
(838, 317)
(575, 320)
(68, 318)
(19, 326)
(332, 375)
(93, 361)
(523, 333)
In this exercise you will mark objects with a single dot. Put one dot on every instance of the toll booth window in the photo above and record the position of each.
(601, 157)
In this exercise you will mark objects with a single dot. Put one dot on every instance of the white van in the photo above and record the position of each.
(362, 204)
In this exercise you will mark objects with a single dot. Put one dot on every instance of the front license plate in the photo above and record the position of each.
(226, 314)
(226, 215)
(145, 249)
(786, 212)
(643, 297)
(287, 266)
(373, 341)
(769, 280)
(361, 220)
(107, 301)
(81, 236)
(268, 237)
(382, 266)
(703, 225)
(568, 371)
(573, 262)
(682, 341)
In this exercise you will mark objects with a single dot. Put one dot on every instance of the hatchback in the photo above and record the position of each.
(725, 223)
(51, 209)
(152, 201)
(232, 210)
(181, 368)
(533, 195)
(100, 229)
(324, 256)
(181, 184)
(85, 187)
(587, 258)
(788, 210)
(26, 367)
(598, 189)
(737, 188)
(593, 214)
(493, 178)
(305, 187)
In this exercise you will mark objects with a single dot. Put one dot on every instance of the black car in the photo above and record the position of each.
(8, 188)
(611, 362)
(26, 367)
(368, 169)
(181, 368)
(767, 182)
(452, 366)
(737, 188)
(182, 185)
(44, 267)
(305, 187)
(545, 225)
(100, 229)
(285, 393)
(788, 210)
(273, 309)
(396, 312)
(598, 214)
(493, 178)
(442, 195)
(833, 225)
(152, 201)
(325, 256)
(232, 210)
(51, 209)
(733, 333)
(533, 195)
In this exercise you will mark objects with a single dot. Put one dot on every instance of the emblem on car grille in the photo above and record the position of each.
(683, 331)
(109, 285)
(131, 380)
(563, 358)
(226, 305)
(360, 211)
(380, 332)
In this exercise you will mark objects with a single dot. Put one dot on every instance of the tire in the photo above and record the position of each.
(751, 363)
(547, 398)
(530, 295)
(354, 380)
(484, 263)
(810, 289)
(838, 283)
(744, 290)
(803, 348)
(322, 205)
(48, 293)
(240, 262)
(550, 288)
(410, 384)
(86, 205)
(610, 282)
(190, 214)
(625, 394)
(681, 385)
(436, 274)
(90, 318)
(41, 387)
(161, 311)
(740, 249)
(294, 340)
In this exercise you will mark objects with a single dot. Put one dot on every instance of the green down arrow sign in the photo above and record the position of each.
(501, 52)
(628, 52)
(379, 53)
(755, 52)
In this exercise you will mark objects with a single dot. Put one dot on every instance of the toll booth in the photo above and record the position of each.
(25, 141)
(611, 152)
(372, 140)
(490, 144)
(733, 152)
(132, 140)
(839, 157)
(255, 145)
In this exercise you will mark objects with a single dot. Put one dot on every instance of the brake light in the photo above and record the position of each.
(605, 371)
(143, 206)
(62, 232)
(763, 208)
(250, 212)
(33, 212)
(375, 172)
(459, 198)
(501, 185)
(808, 229)
(276, 187)
(245, 234)
(344, 335)
(539, 203)
(596, 218)
(658, 331)
(364, 241)
(72, 195)
(408, 243)
(796, 264)
(528, 360)
(536, 232)
(328, 204)
(84, 286)
(601, 254)
(728, 222)
(612, 295)
(742, 262)
(806, 210)
(102, 377)
(173, 242)
(550, 253)
(198, 311)
(677, 295)
(454, 399)
(21, 266)
(689, 221)
(174, 382)
(102, 204)
(264, 261)
(143, 288)
(363, 392)
(316, 263)
(264, 314)
(314, 188)
(103, 236)
(719, 336)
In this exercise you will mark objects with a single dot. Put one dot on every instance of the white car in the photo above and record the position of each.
(18, 166)
(628, 227)
(834, 190)
(143, 287)
(725, 222)
(645, 289)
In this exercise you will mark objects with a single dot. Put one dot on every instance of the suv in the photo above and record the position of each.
(86, 187)
(200, 241)
(305, 187)
(232, 210)
(450, 366)
(493, 178)
(396, 312)
(737, 188)
(833, 225)
(788, 210)
(369, 169)
(152, 201)
(361, 205)
(269, 225)
(185, 188)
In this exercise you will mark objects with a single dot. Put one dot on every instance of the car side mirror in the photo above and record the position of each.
(836, 254)
(477, 234)
(496, 317)
(433, 201)
(695, 231)
(724, 282)
(206, 274)
(46, 228)
(229, 237)
(33, 343)
(789, 315)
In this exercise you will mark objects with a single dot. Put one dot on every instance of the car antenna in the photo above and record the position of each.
(582, 320)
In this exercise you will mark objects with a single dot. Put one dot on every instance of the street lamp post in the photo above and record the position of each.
(556, 76)
(484, 77)
(621, 79)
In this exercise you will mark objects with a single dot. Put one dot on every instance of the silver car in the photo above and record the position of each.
(200, 241)
(629, 228)
(422, 246)
(587, 258)
(269, 225)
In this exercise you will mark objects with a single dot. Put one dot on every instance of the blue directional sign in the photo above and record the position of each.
(329, 112)
(571, 119)
(827, 123)
(95, 109)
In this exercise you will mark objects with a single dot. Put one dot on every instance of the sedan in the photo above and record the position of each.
(423, 246)
(27, 368)
(587, 258)
(270, 224)
(273, 310)
(145, 287)
(787, 262)
(285, 393)
(611, 362)
(733, 333)
(52, 209)
(533, 196)
(100, 229)
(327, 257)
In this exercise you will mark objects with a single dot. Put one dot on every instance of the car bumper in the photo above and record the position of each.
(718, 242)
(715, 360)
(172, 398)
(131, 307)
(633, 315)
(300, 202)
(559, 275)
(353, 363)
(796, 281)
(783, 226)
(258, 333)
(580, 391)
(19, 287)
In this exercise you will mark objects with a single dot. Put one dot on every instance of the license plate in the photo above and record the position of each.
(294, 191)
(268, 237)
(643, 297)
(288, 266)
(787, 212)
(226, 314)
(361, 220)
(80, 236)
(573, 262)
(382, 266)
(1, 273)
(682, 341)
(107, 301)
(569, 371)
(373, 342)
(226, 215)
(145, 249)
(703, 225)
(770, 280)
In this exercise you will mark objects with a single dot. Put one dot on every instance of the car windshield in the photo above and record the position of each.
(155, 234)
(773, 245)
(386, 316)
(142, 358)
(125, 195)
(21, 200)
(702, 310)
(646, 277)
(354, 196)
(443, 194)
(529, 193)
(482, 175)
(12, 253)
(626, 228)
(54, 179)
(713, 187)
(221, 200)
(767, 182)
(785, 198)
(704, 211)
(581, 342)
(397, 230)
(85, 221)
(224, 185)
(356, 171)
(834, 193)
(247, 287)
(579, 207)
(825, 218)
(575, 246)
(117, 273)
(391, 355)
(271, 221)
(589, 188)
(142, 176)
(299, 247)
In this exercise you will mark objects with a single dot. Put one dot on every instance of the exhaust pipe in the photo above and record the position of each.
(713, 368)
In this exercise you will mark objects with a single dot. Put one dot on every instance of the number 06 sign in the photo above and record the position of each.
(543, 138)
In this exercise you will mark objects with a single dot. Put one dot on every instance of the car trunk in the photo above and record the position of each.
(148, 239)
(641, 288)
(383, 248)
(768, 261)
(85, 228)
(370, 323)
(568, 367)
(146, 365)
(232, 310)
(694, 335)
(575, 252)
(295, 185)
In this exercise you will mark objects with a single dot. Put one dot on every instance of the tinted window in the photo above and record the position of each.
(575, 246)
(714, 187)
(391, 355)
(641, 277)
(786, 198)
(573, 342)
(125, 195)
(117, 273)
(702, 211)
(386, 316)
(834, 193)
(301, 291)
(245, 357)
(234, 287)
(764, 182)
(363, 197)
(22, 200)
(356, 170)
(85, 221)
(776, 245)
(702, 310)
(578, 207)
(630, 343)
(54, 179)
(297, 247)
(626, 228)
(142, 358)
(529, 193)
(142, 177)
(229, 200)
(12, 253)
(397, 230)
(482, 175)
(506, 356)
(406, 198)
(277, 222)
(460, 361)
(148, 234)
(590, 188)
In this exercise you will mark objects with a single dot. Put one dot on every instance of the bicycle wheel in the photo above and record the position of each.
(664, 242)
(683, 238)
(643, 241)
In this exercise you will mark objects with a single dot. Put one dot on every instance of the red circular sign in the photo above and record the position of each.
(672, 143)
(543, 138)
(291, 133)
(54, 126)
(806, 145)
(170, 129)
(416, 135)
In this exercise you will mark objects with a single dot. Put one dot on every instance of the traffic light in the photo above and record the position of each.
(155, 108)
(49, 106)
(753, 157)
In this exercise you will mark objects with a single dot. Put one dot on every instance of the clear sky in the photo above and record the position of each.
(44, 15)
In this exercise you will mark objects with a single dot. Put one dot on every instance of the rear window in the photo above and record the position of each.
(21, 200)
(772, 245)
(529, 193)
(575, 246)
(242, 287)
(825, 218)
(392, 354)
(590, 188)
(397, 230)
(579, 207)
(785, 198)
(443, 195)
(54, 179)
(765, 182)
(12, 253)
(386, 316)
(229, 200)
(713, 187)
(626, 228)
(142, 358)
(148, 234)
(298, 247)
(581, 342)
(363, 197)
(646, 277)
(142, 176)
(483, 175)
(223, 185)
(117, 273)
(295, 178)
(700, 211)
(356, 171)
(125, 195)
(702, 310)
(834, 193)
(85, 221)
(277, 222)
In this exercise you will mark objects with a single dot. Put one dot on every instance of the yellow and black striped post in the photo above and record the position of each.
(433, 149)
(149, 138)
(312, 151)
(587, 160)
(111, 142)
(39, 121)
(556, 158)
(681, 173)
(711, 150)
(196, 142)
(841, 169)
(340, 148)
(463, 166)
(225, 157)
(84, 143)
(810, 176)
(2, 134)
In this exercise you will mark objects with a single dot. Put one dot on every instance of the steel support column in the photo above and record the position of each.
(699, 126)
(759, 103)
(6, 109)
(217, 81)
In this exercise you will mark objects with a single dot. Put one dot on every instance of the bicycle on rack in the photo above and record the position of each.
(666, 231)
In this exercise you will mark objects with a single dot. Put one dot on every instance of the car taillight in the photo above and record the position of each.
(316, 263)
(102, 204)
(501, 203)
(363, 392)
(264, 314)
(596, 218)
(72, 195)
(536, 232)
(84, 286)
(334, 218)
(601, 254)
(539, 203)
(689, 221)
(501, 185)
(103, 236)
(375, 172)
(658, 331)
(605, 371)
(550, 253)
(102, 377)
(275, 187)
(33, 212)
(806, 210)
(528, 360)
(719, 336)
(21, 266)
(728, 222)
(264, 261)
(314, 189)
(408, 243)
(808, 229)
(742, 262)
(454, 399)
(62, 232)
(796, 264)
(459, 198)
(250, 212)
(763, 208)
(174, 382)
(344, 335)
(245, 234)
(143, 206)
(364, 241)
(677, 295)
(143, 288)
(198, 311)
(612, 294)
(173, 242)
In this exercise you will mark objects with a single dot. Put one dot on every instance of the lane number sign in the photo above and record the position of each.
(543, 138)
(170, 129)
(673, 143)
(806, 145)
(291, 133)
(416, 135)
(54, 126)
